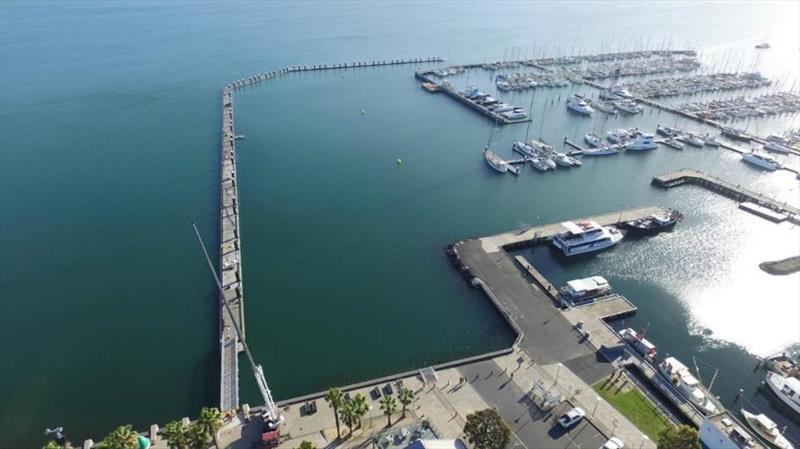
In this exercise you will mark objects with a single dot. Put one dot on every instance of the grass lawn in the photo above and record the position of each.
(634, 406)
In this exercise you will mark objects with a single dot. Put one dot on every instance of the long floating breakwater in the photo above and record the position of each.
(257, 78)
(734, 191)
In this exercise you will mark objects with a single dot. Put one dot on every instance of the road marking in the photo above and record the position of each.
(519, 442)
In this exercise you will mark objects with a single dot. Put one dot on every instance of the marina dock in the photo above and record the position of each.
(733, 191)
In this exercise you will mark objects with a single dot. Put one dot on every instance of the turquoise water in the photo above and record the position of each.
(109, 140)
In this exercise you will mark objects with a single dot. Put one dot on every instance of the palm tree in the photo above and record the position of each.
(176, 435)
(123, 437)
(349, 415)
(406, 397)
(210, 421)
(389, 406)
(360, 407)
(197, 436)
(335, 400)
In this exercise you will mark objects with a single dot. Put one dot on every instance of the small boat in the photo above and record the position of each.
(503, 85)
(666, 131)
(763, 46)
(617, 135)
(602, 151)
(654, 223)
(711, 141)
(516, 114)
(592, 140)
(584, 237)
(761, 160)
(523, 148)
(673, 143)
(642, 141)
(548, 161)
(619, 91)
(495, 161)
(575, 161)
(786, 388)
(239, 137)
(776, 148)
(581, 291)
(538, 164)
(562, 159)
(692, 140)
(540, 146)
(579, 104)
(606, 107)
(639, 343)
(737, 134)
(501, 107)
(766, 429)
(629, 106)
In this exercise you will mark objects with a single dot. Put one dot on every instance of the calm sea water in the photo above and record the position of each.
(109, 133)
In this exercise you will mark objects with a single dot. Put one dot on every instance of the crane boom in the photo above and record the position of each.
(271, 415)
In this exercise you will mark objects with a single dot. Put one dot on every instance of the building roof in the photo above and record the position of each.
(437, 444)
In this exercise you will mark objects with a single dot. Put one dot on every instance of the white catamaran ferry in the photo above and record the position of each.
(585, 237)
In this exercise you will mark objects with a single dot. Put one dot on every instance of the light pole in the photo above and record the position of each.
(644, 438)
(596, 401)
(370, 416)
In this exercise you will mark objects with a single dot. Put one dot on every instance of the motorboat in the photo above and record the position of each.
(539, 165)
(762, 46)
(604, 106)
(776, 148)
(654, 223)
(711, 141)
(619, 91)
(501, 107)
(540, 146)
(487, 101)
(639, 343)
(786, 388)
(503, 85)
(673, 143)
(737, 134)
(495, 161)
(642, 141)
(766, 429)
(547, 160)
(601, 151)
(523, 148)
(585, 236)
(592, 140)
(581, 291)
(761, 160)
(516, 114)
(617, 135)
(629, 106)
(666, 131)
(688, 385)
(784, 364)
(562, 159)
(579, 104)
(692, 140)
(575, 161)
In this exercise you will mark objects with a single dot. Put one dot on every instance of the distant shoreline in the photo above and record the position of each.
(782, 267)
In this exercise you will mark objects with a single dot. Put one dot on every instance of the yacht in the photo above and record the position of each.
(503, 85)
(575, 161)
(734, 133)
(617, 135)
(784, 364)
(786, 388)
(516, 114)
(642, 141)
(494, 161)
(585, 236)
(501, 107)
(711, 141)
(487, 101)
(525, 149)
(547, 160)
(776, 148)
(539, 165)
(620, 91)
(540, 146)
(606, 107)
(693, 140)
(761, 160)
(580, 291)
(673, 143)
(629, 106)
(666, 131)
(766, 429)
(579, 105)
(687, 384)
(639, 343)
(562, 159)
(592, 140)
(601, 151)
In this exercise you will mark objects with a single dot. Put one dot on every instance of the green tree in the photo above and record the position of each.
(389, 406)
(51, 445)
(679, 437)
(177, 435)
(485, 429)
(123, 437)
(335, 400)
(198, 436)
(210, 420)
(360, 407)
(406, 397)
(306, 445)
(349, 416)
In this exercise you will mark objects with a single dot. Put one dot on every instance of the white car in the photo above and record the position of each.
(613, 443)
(571, 418)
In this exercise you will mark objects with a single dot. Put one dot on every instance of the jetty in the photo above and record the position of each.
(725, 188)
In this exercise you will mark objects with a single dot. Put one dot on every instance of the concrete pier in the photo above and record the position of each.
(734, 191)
(230, 261)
